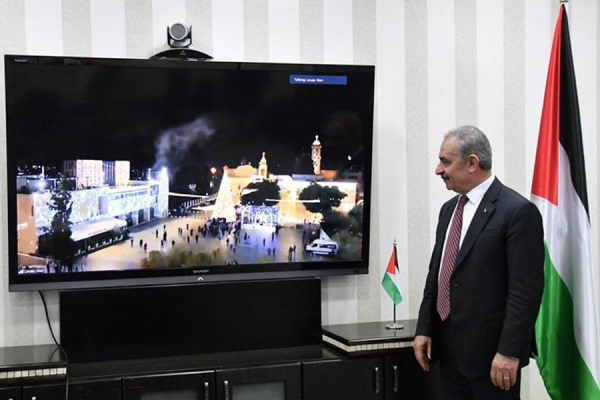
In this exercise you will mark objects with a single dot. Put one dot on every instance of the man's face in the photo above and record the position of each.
(452, 168)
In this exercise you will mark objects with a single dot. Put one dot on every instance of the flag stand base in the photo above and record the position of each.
(394, 325)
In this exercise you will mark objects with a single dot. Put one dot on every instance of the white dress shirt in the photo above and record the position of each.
(475, 196)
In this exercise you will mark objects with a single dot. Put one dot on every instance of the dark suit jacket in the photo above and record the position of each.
(497, 283)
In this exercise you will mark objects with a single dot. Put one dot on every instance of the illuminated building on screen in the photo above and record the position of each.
(290, 210)
(109, 202)
(85, 173)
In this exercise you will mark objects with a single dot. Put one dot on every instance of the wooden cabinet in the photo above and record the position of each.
(91, 390)
(109, 389)
(311, 372)
(402, 377)
(274, 382)
(344, 379)
(389, 377)
(10, 393)
(406, 380)
(319, 374)
(180, 386)
(43, 392)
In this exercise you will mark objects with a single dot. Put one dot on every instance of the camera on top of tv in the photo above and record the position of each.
(179, 40)
(179, 35)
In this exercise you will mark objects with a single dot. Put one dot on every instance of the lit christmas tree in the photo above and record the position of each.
(224, 207)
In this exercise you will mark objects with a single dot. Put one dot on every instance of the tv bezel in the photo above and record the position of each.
(184, 275)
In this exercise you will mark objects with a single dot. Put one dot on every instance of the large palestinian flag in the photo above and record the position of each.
(566, 331)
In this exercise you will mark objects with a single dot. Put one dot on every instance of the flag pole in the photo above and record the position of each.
(566, 5)
(394, 324)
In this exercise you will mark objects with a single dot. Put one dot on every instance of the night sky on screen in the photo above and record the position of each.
(184, 117)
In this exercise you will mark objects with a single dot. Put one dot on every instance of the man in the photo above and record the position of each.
(485, 281)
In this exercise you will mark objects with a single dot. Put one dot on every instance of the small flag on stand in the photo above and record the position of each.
(391, 279)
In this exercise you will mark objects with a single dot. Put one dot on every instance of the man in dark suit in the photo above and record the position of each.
(485, 281)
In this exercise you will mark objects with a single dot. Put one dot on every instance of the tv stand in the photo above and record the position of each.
(315, 372)
(276, 353)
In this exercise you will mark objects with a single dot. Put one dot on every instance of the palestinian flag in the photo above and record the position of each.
(566, 330)
(391, 279)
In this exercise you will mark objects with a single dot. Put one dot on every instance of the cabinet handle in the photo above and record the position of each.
(377, 380)
(206, 391)
(226, 386)
(395, 379)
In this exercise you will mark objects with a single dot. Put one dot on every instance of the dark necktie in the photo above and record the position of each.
(452, 245)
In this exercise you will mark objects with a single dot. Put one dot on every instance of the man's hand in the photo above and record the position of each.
(422, 346)
(504, 371)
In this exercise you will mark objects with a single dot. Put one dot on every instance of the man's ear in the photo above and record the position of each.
(473, 163)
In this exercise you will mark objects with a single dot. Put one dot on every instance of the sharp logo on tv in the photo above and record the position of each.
(152, 169)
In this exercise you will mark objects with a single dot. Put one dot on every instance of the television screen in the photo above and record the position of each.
(130, 172)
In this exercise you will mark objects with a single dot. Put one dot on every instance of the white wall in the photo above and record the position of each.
(440, 63)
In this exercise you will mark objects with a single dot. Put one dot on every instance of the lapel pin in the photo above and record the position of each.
(485, 210)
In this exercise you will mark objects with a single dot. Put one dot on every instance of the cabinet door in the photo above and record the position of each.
(345, 379)
(10, 393)
(183, 386)
(406, 380)
(96, 390)
(92, 390)
(276, 382)
(44, 392)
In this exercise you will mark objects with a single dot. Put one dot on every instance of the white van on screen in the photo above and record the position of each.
(322, 246)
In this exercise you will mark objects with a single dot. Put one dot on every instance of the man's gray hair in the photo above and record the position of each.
(471, 140)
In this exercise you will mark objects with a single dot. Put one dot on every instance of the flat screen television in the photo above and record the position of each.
(139, 172)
